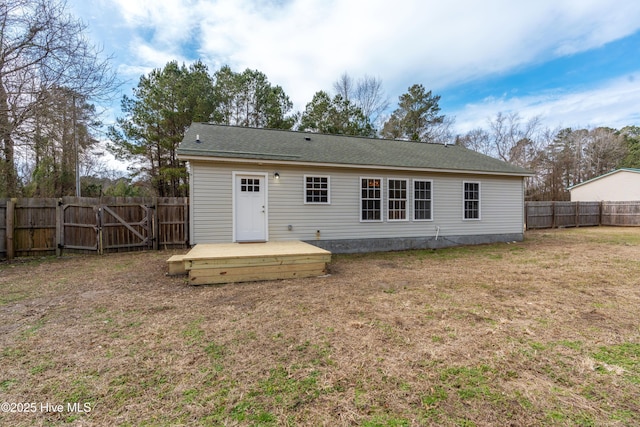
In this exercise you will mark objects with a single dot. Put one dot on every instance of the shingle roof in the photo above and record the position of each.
(302, 147)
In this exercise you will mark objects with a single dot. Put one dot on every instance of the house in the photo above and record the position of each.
(346, 194)
(621, 185)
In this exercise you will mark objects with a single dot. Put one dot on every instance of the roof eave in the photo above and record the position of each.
(235, 160)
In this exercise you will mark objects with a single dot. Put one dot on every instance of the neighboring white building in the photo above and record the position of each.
(346, 194)
(621, 185)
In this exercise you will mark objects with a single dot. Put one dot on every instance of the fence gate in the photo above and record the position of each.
(126, 226)
(80, 227)
(105, 227)
(48, 226)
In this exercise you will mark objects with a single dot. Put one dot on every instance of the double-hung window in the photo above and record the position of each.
(422, 200)
(370, 199)
(397, 199)
(471, 205)
(316, 190)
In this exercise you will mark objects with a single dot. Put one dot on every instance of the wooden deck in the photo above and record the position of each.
(246, 262)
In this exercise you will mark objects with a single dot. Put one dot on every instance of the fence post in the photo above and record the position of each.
(59, 227)
(553, 214)
(155, 227)
(11, 205)
(186, 225)
(600, 210)
(99, 233)
(577, 214)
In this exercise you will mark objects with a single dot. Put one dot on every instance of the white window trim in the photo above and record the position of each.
(413, 199)
(304, 190)
(479, 201)
(381, 198)
(406, 200)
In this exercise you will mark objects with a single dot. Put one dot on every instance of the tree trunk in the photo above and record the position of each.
(9, 186)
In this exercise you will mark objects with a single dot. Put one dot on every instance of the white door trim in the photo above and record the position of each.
(234, 189)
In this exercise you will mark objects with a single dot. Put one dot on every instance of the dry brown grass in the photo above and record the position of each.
(544, 332)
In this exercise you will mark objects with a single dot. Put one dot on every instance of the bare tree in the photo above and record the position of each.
(605, 150)
(344, 86)
(442, 133)
(367, 94)
(477, 139)
(42, 47)
(523, 143)
(371, 98)
(61, 141)
(573, 156)
(514, 141)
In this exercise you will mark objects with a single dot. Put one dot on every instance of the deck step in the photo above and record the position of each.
(176, 265)
(235, 262)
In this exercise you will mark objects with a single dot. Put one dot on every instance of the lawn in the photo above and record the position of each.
(541, 332)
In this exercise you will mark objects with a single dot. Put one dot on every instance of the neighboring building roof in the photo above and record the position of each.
(605, 175)
(282, 146)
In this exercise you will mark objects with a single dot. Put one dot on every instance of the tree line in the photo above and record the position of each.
(49, 75)
(51, 80)
(559, 158)
(166, 101)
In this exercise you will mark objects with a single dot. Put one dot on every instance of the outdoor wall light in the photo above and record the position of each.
(276, 176)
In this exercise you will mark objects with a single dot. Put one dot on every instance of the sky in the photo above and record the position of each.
(572, 63)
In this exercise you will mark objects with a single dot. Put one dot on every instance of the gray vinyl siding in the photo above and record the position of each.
(501, 204)
(212, 200)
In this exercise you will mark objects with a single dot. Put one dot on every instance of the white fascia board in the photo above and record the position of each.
(344, 166)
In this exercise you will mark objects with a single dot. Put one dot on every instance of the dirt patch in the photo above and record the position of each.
(542, 332)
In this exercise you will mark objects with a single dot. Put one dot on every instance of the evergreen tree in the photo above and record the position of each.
(416, 118)
(248, 99)
(164, 104)
(631, 135)
(336, 116)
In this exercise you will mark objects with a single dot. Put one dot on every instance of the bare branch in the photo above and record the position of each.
(42, 49)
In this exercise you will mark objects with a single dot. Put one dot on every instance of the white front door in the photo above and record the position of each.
(250, 208)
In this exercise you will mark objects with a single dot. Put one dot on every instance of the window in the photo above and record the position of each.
(316, 189)
(250, 185)
(422, 200)
(471, 200)
(370, 199)
(397, 199)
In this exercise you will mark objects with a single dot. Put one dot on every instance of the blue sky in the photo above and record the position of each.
(573, 63)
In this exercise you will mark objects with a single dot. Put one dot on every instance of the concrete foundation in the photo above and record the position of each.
(349, 246)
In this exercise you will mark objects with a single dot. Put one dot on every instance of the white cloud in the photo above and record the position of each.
(613, 104)
(304, 45)
(152, 56)
(169, 19)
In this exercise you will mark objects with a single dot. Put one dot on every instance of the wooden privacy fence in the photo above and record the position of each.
(579, 214)
(80, 224)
